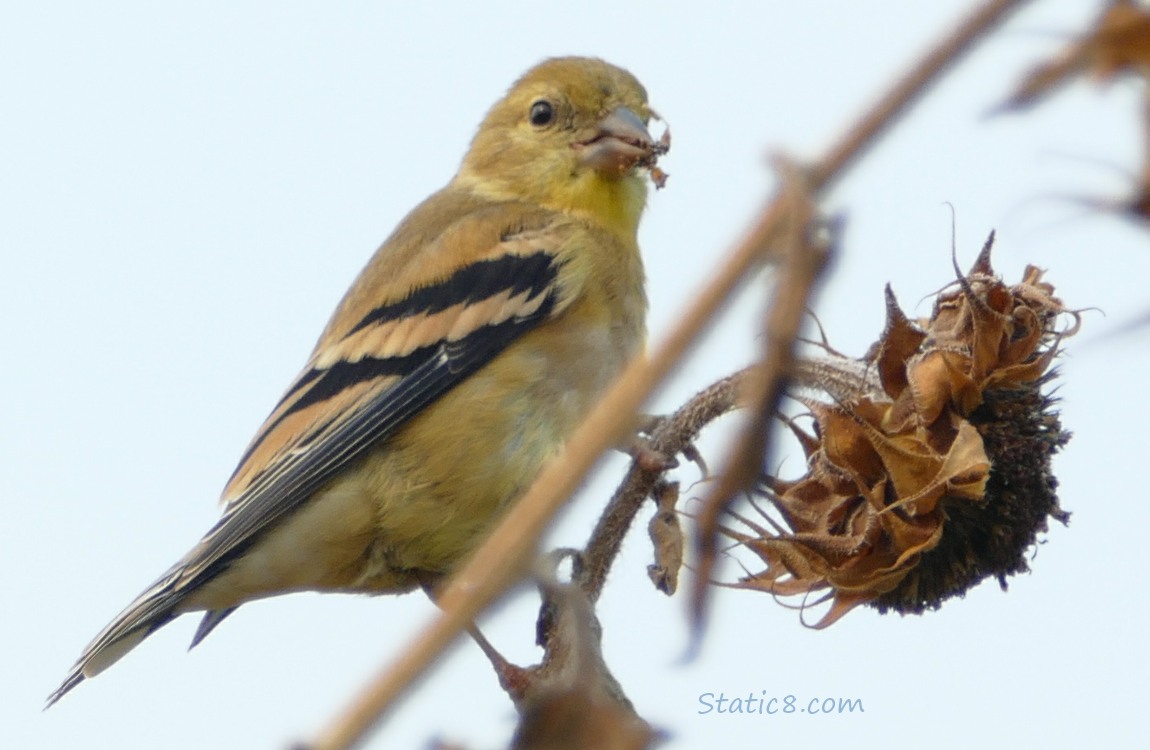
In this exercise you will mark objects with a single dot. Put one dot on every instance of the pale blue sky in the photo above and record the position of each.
(187, 189)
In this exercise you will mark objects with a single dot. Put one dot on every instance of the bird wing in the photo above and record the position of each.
(453, 306)
(365, 383)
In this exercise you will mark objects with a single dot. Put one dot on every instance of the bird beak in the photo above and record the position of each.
(621, 142)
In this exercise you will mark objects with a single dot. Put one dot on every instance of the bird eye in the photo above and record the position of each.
(542, 113)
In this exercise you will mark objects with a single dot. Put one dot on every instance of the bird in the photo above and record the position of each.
(458, 363)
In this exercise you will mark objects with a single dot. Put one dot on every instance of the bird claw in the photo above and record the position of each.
(648, 459)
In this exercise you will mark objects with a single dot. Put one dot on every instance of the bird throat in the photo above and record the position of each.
(614, 203)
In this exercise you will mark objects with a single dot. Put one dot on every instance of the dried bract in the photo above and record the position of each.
(667, 539)
(932, 474)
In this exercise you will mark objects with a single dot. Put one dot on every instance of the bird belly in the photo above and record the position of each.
(446, 478)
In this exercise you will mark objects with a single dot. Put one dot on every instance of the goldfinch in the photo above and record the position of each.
(461, 359)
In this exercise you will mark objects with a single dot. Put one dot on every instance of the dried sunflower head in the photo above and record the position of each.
(929, 466)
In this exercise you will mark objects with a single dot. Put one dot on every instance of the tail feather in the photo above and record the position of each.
(74, 678)
(151, 610)
(212, 618)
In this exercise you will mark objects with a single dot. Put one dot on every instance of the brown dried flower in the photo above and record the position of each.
(929, 467)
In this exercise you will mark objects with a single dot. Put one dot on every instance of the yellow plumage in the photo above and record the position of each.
(458, 363)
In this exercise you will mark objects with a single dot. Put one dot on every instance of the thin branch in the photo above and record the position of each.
(805, 255)
(670, 438)
(887, 111)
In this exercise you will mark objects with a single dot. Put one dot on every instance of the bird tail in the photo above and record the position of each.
(151, 610)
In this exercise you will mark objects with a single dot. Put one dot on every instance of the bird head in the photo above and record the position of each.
(571, 135)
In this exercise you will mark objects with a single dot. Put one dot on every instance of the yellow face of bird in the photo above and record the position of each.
(571, 135)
